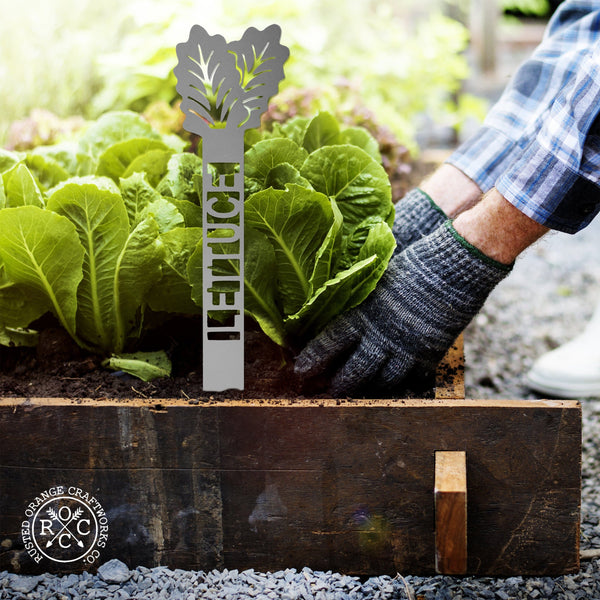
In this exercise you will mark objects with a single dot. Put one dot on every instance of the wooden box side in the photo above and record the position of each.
(335, 485)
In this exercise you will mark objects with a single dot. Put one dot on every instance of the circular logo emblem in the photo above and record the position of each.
(64, 525)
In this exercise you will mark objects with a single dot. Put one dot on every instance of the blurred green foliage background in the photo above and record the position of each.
(399, 59)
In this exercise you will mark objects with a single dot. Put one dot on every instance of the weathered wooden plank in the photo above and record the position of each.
(450, 512)
(450, 374)
(343, 485)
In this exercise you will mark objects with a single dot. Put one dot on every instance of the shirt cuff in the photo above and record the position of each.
(548, 191)
(484, 156)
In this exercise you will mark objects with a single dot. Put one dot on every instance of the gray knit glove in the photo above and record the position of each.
(417, 215)
(427, 296)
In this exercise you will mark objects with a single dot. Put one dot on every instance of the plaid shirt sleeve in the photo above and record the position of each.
(540, 143)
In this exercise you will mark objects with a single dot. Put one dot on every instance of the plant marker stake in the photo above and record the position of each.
(225, 88)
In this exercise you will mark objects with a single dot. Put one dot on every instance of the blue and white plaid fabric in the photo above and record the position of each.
(540, 143)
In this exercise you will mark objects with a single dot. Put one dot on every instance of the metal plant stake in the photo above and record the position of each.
(225, 88)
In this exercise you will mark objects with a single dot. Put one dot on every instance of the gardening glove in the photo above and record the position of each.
(427, 296)
(417, 215)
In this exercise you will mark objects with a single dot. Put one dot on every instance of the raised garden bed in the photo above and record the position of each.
(347, 484)
(281, 474)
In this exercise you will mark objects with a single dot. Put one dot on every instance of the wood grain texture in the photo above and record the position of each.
(450, 374)
(450, 495)
(342, 485)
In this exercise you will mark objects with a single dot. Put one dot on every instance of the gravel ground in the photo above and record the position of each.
(290, 584)
(546, 300)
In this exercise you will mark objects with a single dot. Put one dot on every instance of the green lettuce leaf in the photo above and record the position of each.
(116, 159)
(146, 366)
(359, 185)
(381, 243)
(296, 221)
(282, 175)
(137, 269)
(112, 128)
(192, 213)
(9, 159)
(165, 214)
(322, 130)
(357, 136)
(152, 163)
(18, 336)
(178, 181)
(295, 129)
(64, 157)
(260, 280)
(47, 171)
(137, 194)
(264, 156)
(326, 254)
(41, 249)
(20, 188)
(329, 300)
(349, 287)
(355, 240)
(101, 221)
(102, 183)
(19, 306)
(173, 291)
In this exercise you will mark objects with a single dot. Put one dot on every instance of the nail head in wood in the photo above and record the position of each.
(450, 513)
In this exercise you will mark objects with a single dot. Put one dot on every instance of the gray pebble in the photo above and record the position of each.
(23, 584)
(144, 584)
(70, 581)
(114, 571)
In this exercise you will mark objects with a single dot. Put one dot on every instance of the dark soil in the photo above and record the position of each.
(58, 368)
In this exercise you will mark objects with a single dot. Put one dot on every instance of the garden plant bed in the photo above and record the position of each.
(341, 484)
(279, 474)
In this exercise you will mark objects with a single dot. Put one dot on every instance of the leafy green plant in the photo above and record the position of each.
(82, 249)
(106, 229)
(317, 223)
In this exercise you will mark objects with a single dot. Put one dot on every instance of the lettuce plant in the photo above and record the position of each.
(88, 248)
(107, 229)
(321, 201)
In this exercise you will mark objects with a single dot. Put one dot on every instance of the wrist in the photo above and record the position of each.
(432, 204)
(451, 190)
(497, 229)
(476, 252)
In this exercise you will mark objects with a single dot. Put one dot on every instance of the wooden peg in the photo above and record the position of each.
(450, 513)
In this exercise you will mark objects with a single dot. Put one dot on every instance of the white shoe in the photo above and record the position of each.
(571, 370)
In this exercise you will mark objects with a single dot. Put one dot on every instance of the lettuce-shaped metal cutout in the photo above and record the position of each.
(225, 88)
(228, 86)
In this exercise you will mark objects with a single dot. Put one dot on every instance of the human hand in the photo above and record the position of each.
(427, 296)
